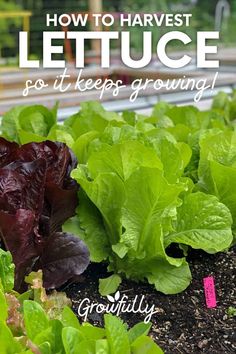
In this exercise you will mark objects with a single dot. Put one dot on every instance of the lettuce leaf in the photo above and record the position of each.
(36, 120)
(6, 271)
(217, 167)
(202, 223)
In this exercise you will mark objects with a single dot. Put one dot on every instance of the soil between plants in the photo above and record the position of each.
(183, 324)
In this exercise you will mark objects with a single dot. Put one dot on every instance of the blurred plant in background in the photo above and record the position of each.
(154, 6)
(203, 18)
(7, 39)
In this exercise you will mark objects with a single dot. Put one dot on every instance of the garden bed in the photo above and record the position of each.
(183, 323)
(151, 197)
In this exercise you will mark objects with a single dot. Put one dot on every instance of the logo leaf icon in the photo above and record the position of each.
(117, 295)
(110, 298)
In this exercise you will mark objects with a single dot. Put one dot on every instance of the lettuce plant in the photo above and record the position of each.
(133, 205)
(37, 195)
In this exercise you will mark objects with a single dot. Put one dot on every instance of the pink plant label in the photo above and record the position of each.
(210, 293)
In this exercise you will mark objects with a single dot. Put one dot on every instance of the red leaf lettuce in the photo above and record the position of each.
(37, 195)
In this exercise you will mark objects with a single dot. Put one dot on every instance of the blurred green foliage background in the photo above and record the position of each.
(203, 19)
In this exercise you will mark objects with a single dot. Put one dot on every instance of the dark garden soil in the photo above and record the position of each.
(183, 324)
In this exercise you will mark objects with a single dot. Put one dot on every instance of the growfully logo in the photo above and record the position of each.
(117, 305)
